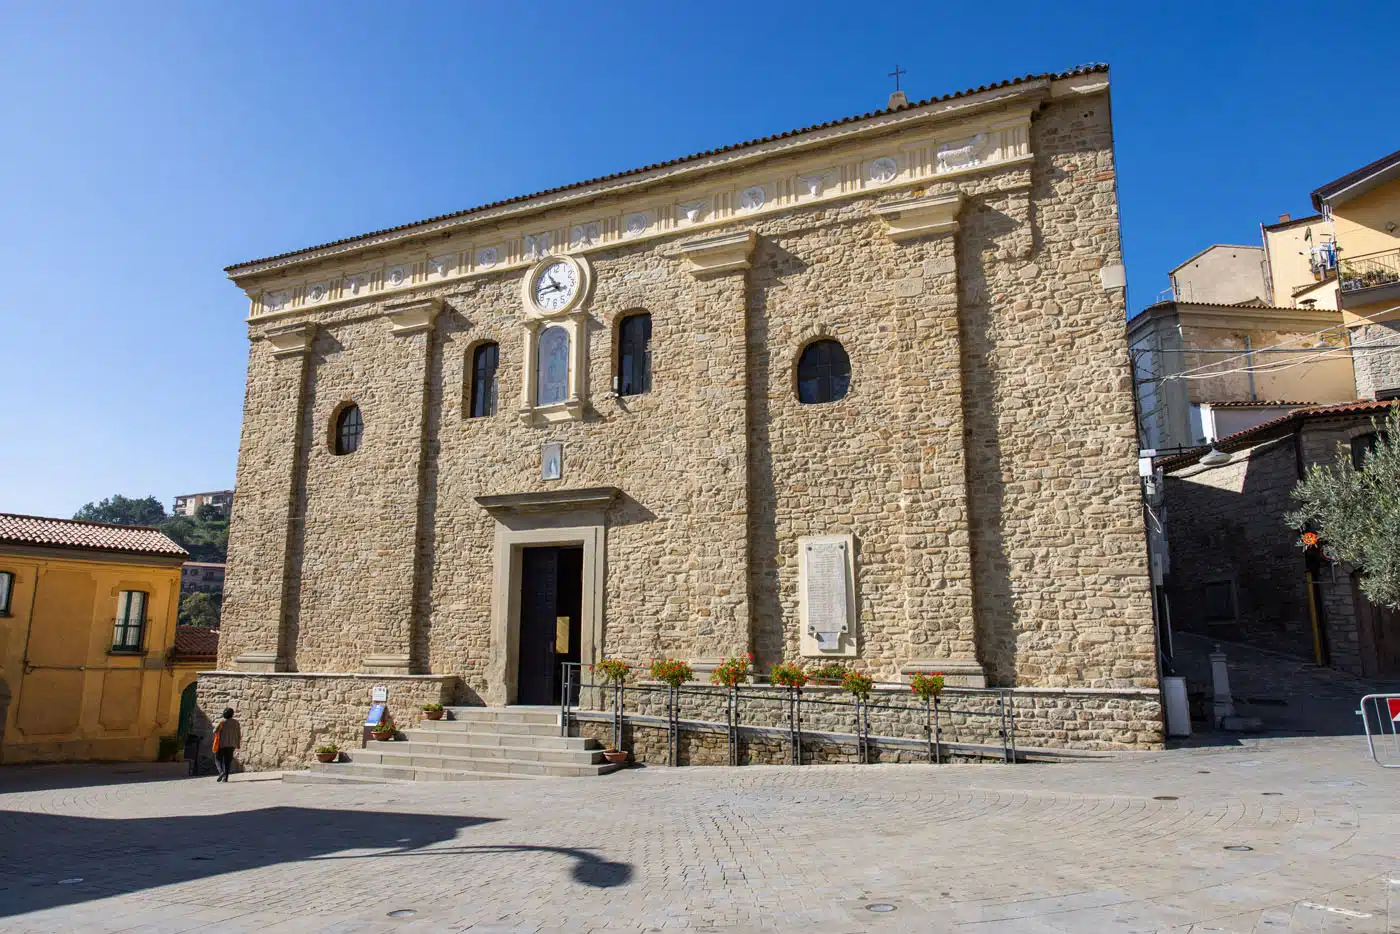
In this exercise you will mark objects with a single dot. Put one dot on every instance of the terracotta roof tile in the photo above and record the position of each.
(1243, 439)
(93, 536)
(1010, 82)
(196, 642)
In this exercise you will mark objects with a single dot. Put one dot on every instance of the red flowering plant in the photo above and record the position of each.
(788, 675)
(731, 671)
(830, 673)
(858, 684)
(671, 671)
(611, 670)
(927, 686)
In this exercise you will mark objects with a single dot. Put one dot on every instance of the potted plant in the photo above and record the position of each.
(788, 674)
(613, 754)
(828, 674)
(857, 684)
(610, 670)
(731, 671)
(671, 671)
(327, 752)
(384, 731)
(925, 686)
(433, 711)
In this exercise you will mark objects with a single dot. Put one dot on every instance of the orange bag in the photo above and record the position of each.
(218, 730)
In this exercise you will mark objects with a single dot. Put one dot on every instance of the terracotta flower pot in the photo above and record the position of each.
(615, 755)
(327, 756)
(383, 737)
(434, 714)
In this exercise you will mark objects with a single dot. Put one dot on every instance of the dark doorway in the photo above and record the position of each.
(551, 603)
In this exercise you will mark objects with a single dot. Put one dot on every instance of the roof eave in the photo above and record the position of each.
(963, 102)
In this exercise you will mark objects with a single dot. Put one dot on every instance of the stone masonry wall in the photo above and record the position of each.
(1378, 367)
(1226, 524)
(983, 459)
(286, 716)
(1046, 718)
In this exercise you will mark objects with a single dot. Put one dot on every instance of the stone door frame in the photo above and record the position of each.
(563, 518)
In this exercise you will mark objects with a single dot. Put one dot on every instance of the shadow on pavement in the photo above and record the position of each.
(53, 860)
(46, 776)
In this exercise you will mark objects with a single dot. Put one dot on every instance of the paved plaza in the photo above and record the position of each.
(1143, 842)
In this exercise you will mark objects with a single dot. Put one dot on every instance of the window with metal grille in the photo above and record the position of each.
(823, 373)
(349, 428)
(130, 627)
(484, 361)
(634, 355)
(7, 587)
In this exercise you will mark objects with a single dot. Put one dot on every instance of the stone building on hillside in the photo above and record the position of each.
(858, 392)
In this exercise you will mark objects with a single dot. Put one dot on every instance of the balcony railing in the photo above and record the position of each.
(1369, 271)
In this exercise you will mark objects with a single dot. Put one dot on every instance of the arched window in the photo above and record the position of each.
(634, 355)
(484, 361)
(349, 427)
(552, 378)
(823, 372)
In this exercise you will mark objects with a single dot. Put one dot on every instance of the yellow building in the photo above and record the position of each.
(88, 661)
(1363, 211)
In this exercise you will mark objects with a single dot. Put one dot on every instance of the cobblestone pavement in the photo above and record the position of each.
(1137, 843)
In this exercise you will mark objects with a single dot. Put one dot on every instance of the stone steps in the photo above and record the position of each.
(577, 756)
(476, 744)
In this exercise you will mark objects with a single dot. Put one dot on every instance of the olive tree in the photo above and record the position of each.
(1356, 512)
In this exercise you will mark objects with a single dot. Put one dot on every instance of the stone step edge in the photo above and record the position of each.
(604, 768)
(531, 763)
(459, 749)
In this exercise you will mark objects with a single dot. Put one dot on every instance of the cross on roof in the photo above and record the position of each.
(895, 75)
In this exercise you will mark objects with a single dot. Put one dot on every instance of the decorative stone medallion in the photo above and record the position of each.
(486, 257)
(883, 169)
(397, 276)
(753, 198)
(637, 224)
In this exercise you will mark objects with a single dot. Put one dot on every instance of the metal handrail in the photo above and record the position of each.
(794, 699)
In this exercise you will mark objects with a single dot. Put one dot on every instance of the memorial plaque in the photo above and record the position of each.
(379, 693)
(827, 594)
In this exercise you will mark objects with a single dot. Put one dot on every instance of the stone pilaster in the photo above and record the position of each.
(388, 633)
(253, 636)
(720, 502)
(938, 585)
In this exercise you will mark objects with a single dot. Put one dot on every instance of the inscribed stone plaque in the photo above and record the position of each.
(826, 573)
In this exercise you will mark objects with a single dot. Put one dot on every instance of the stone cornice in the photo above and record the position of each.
(600, 497)
(1029, 92)
(918, 217)
(719, 254)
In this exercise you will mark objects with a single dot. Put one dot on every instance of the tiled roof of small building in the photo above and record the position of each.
(93, 536)
(1243, 439)
(196, 642)
(1095, 68)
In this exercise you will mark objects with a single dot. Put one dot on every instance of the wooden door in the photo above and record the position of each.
(539, 588)
(1380, 636)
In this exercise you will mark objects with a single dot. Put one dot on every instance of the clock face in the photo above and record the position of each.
(555, 286)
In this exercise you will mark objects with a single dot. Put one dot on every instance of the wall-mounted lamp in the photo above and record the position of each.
(1214, 458)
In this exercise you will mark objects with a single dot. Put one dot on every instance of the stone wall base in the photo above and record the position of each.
(286, 715)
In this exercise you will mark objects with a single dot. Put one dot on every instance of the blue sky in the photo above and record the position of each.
(148, 145)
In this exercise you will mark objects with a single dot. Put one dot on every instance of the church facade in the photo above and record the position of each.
(859, 392)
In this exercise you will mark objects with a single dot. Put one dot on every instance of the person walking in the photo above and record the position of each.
(227, 735)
